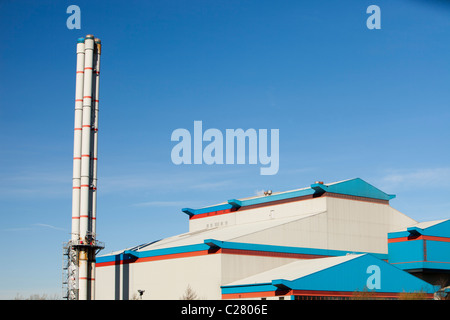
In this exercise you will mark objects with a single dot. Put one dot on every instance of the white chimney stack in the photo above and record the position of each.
(83, 246)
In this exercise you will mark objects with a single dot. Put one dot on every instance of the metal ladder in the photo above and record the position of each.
(69, 272)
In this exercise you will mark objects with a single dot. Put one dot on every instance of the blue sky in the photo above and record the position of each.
(348, 102)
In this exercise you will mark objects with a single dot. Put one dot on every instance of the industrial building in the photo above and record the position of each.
(326, 241)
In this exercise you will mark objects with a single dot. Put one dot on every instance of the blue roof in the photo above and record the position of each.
(348, 274)
(353, 187)
(425, 245)
(438, 228)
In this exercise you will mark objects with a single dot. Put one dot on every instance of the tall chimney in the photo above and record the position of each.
(76, 181)
(94, 155)
(80, 251)
(86, 137)
(85, 210)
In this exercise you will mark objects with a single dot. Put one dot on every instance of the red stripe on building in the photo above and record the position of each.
(257, 294)
(433, 238)
(357, 198)
(421, 237)
(351, 294)
(394, 240)
(313, 293)
(272, 254)
(156, 258)
(288, 200)
(212, 213)
(221, 250)
(420, 262)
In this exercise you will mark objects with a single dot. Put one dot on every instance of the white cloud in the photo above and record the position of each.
(43, 225)
(419, 178)
(160, 204)
(33, 226)
(161, 181)
(39, 184)
(17, 229)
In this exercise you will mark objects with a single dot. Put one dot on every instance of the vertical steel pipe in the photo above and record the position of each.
(76, 181)
(94, 158)
(86, 137)
(83, 274)
(83, 244)
(85, 235)
(94, 131)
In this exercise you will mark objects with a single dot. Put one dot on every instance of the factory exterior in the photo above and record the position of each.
(327, 241)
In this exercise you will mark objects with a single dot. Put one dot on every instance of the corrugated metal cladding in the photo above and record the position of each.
(300, 244)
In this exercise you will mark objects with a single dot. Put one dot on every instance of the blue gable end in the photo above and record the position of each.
(354, 187)
(355, 274)
(359, 273)
(421, 248)
(441, 229)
